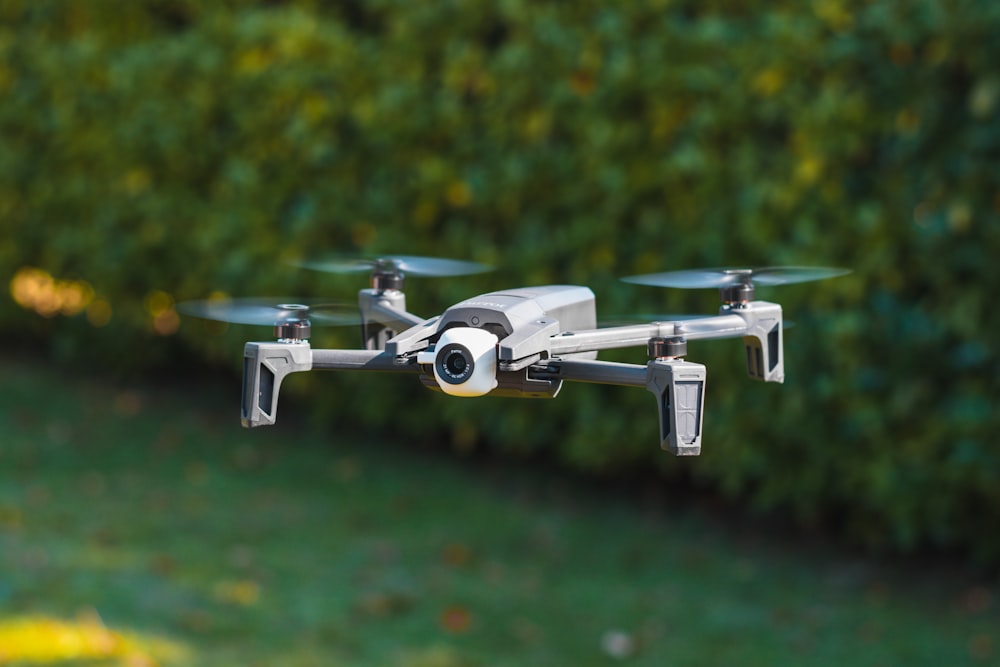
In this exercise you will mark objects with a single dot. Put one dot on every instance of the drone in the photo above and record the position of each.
(522, 342)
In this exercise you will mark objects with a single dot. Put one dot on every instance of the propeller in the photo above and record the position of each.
(644, 318)
(410, 264)
(273, 311)
(771, 275)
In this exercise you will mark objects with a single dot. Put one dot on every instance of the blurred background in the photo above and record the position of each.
(158, 151)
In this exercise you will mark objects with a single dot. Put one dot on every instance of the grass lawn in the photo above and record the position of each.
(141, 526)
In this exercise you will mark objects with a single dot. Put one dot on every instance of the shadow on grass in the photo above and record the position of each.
(201, 543)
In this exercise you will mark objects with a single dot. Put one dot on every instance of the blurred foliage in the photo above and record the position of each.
(155, 150)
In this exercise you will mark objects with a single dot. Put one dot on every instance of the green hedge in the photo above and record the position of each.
(162, 150)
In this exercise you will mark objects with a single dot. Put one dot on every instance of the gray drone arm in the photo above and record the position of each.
(678, 385)
(266, 364)
(721, 326)
(591, 371)
(758, 323)
(383, 316)
(385, 313)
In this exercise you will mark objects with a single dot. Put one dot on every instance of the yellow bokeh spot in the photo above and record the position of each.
(158, 302)
(166, 323)
(832, 192)
(44, 639)
(834, 14)
(29, 285)
(808, 170)
(769, 81)
(314, 107)
(959, 217)
(136, 181)
(937, 52)
(76, 296)
(666, 121)
(456, 619)
(602, 257)
(6, 78)
(537, 125)
(424, 213)
(458, 194)
(363, 234)
(583, 82)
(243, 592)
(99, 313)
(901, 54)
(984, 97)
(296, 38)
(253, 61)
(10, 517)
(164, 319)
(35, 289)
(907, 121)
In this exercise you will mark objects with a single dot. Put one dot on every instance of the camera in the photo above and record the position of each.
(464, 361)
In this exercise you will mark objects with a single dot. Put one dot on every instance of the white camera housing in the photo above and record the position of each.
(464, 361)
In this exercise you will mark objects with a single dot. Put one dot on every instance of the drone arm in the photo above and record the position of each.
(265, 365)
(720, 326)
(594, 372)
(679, 388)
(394, 318)
(359, 360)
(383, 315)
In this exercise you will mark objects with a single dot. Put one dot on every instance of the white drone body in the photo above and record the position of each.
(524, 342)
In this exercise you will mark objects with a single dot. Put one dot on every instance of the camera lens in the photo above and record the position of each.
(455, 364)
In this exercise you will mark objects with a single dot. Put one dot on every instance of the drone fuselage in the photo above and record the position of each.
(507, 311)
(523, 320)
